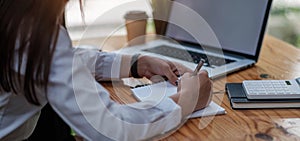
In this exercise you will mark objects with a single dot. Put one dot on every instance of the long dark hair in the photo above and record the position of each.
(29, 29)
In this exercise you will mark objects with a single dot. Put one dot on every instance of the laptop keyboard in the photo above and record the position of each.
(190, 56)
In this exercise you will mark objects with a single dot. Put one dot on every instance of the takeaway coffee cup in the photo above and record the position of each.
(136, 22)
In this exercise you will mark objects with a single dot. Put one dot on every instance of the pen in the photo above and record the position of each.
(197, 69)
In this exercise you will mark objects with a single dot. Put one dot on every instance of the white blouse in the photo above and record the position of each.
(75, 94)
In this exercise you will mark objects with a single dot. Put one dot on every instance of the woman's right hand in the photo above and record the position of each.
(195, 92)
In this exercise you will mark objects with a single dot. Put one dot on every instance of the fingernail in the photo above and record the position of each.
(176, 82)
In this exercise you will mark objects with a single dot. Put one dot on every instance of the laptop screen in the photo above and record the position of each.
(237, 24)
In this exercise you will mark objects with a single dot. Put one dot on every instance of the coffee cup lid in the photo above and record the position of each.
(136, 15)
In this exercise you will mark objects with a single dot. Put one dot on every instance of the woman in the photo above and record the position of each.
(39, 66)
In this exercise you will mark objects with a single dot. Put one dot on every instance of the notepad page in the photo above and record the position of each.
(164, 89)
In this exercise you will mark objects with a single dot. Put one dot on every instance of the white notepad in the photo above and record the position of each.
(160, 90)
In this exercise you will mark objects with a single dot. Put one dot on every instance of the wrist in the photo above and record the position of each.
(187, 106)
(134, 66)
(175, 97)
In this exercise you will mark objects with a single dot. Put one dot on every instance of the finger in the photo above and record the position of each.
(203, 73)
(171, 76)
(156, 79)
(182, 69)
(186, 75)
(177, 73)
(203, 76)
(174, 68)
(148, 74)
(172, 65)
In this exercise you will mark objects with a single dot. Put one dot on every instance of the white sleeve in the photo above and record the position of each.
(103, 65)
(85, 105)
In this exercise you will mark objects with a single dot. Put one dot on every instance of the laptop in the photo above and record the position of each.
(228, 34)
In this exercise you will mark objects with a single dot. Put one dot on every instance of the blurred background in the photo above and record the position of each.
(284, 22)
(104, 17)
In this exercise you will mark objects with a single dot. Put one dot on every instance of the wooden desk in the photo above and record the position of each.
(278, 60)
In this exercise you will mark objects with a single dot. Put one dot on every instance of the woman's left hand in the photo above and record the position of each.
(150, 66)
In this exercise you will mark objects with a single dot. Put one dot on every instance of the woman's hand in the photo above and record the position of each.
(194, 92)
(150, 66)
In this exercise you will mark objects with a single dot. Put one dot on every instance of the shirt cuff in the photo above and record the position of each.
(167, 105)
(172, 114)
(170, 110)
(108, 66)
